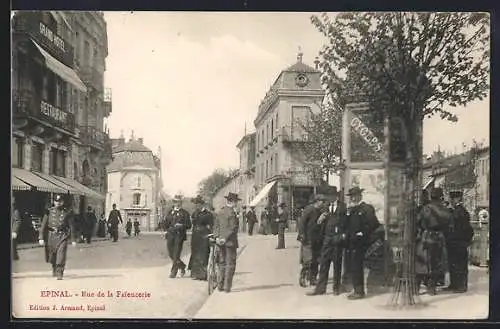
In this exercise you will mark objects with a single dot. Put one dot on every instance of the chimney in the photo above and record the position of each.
(140, 140)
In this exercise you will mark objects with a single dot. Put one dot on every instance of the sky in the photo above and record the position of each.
(191, 82)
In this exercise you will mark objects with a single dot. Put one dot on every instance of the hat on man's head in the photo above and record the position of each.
(232, 197)
(89, 208)
(58, 197)
(456, 194)
(355, 190)
(198, 200)
(437, 193)
(328, 190)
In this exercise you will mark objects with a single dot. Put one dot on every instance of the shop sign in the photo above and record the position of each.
(52, 37)
(368, 135)
(53, 112)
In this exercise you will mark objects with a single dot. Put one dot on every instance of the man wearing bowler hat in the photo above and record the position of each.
(361, 223)
(458, 238)
(226, 235)
(335, 220)
(57, 227)
(177, 222)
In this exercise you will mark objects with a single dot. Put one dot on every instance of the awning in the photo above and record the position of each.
(39, 183)
(439, 181)
(60, 69)
(427, 182)
(262, 194)
(69, 189)
(19, 185)
(84, 190)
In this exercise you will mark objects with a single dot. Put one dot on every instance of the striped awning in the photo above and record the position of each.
(428, 182)
(36, 181)
(68, 188)
(84, 190)
(19, 185)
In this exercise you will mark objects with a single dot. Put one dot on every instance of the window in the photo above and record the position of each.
(37, 157)
(138, 181)
(57, 162)
(276, 122)
(272, 129)
(17, 153)
(86, 52)
(267, 168)
(276, 163)
(261, 172)
(271, 167)
(136, 199)
(75, 171)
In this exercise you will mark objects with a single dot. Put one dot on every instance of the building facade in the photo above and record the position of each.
(246, 177)
(134, 183)
(50, 107)
(280, 171)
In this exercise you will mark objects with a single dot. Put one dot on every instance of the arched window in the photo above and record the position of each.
(138, 181)
(136, 199)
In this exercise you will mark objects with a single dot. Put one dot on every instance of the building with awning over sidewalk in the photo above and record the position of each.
(59, 143)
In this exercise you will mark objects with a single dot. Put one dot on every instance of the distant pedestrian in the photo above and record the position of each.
(202, 223)
(128, 227)
(264, 221)
(114, 219)
(56, 229)
(458, 238)
(90, 221)
(136, 227)
(243, 219)
(281, 221)
(432, 221)
(177, 224)
(101, 227)
(15, 226)
(226, 234)
(361, 223)
(251, 220)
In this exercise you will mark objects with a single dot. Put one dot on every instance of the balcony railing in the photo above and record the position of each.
(27, 104)
(91, 136)
(107, 103)
(293, 134)
(91, 76)
(29, 22)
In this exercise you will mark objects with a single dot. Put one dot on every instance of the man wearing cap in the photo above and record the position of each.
(226, 234)
(433, 219)
(202, 221)
(282, 220)
(114, 219)
(177, 223)
(58, 227)
(251, 220)
(310, 236)
(334, 216)
(361, 223)
(89, 224)
(458, 238)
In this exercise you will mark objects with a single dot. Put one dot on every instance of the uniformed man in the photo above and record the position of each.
(177, 222)
(334, 217)
(226, 234)
(89, 224)
(310, 237)
(58, 227)
(251, 220)
(458, 238)
(114, 219)
(361, 223)
(16, 225)
(282, 221)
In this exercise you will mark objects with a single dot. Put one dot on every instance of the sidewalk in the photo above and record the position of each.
(266, 287)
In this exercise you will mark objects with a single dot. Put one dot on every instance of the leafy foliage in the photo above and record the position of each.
(209, 186)
(412, 63)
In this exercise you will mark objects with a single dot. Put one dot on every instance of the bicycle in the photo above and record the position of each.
(213, 264)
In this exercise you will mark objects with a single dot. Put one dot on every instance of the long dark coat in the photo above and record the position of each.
(226, 226)
(177, 222)
(202, 222)
(57, 227)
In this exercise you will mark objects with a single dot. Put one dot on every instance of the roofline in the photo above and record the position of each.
(247, 136)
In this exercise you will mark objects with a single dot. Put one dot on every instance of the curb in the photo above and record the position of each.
(36, 245)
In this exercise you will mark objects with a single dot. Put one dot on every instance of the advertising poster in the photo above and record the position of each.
(373, 183)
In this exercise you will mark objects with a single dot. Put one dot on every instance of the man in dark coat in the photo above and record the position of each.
(433, 219)
(202, 221)
(282, 222)
(310, 236)
(458, 239)
(57, 227)
(15, 226)
(114, 219)
(177, 224)
(334, 218)
(361, 223)
(90, 223)
(226, 234)
(251, 220)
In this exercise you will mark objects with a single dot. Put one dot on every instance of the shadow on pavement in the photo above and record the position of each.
(241, 273)
(262, 287)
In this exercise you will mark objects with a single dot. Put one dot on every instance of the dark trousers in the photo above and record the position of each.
(457, 264)
(310, 254)
(227, 267)
(281, 236)
(174, 247)
(88, 236)
(15, 254)
(356, 269)
(250, 228)
(56, 250)
(114, 233)
(330, 253)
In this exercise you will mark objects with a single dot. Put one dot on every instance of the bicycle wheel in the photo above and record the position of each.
(211, 271)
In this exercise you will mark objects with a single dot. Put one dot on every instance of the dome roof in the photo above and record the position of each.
(300, 67)
(131, 146)
(132, 153)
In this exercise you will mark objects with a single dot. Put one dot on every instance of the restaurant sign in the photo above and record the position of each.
(55, 114)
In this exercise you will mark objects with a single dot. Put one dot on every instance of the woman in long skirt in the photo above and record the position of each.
(202, 220)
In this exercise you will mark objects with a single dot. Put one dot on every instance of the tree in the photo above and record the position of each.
(209, 186)
(409, 65)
